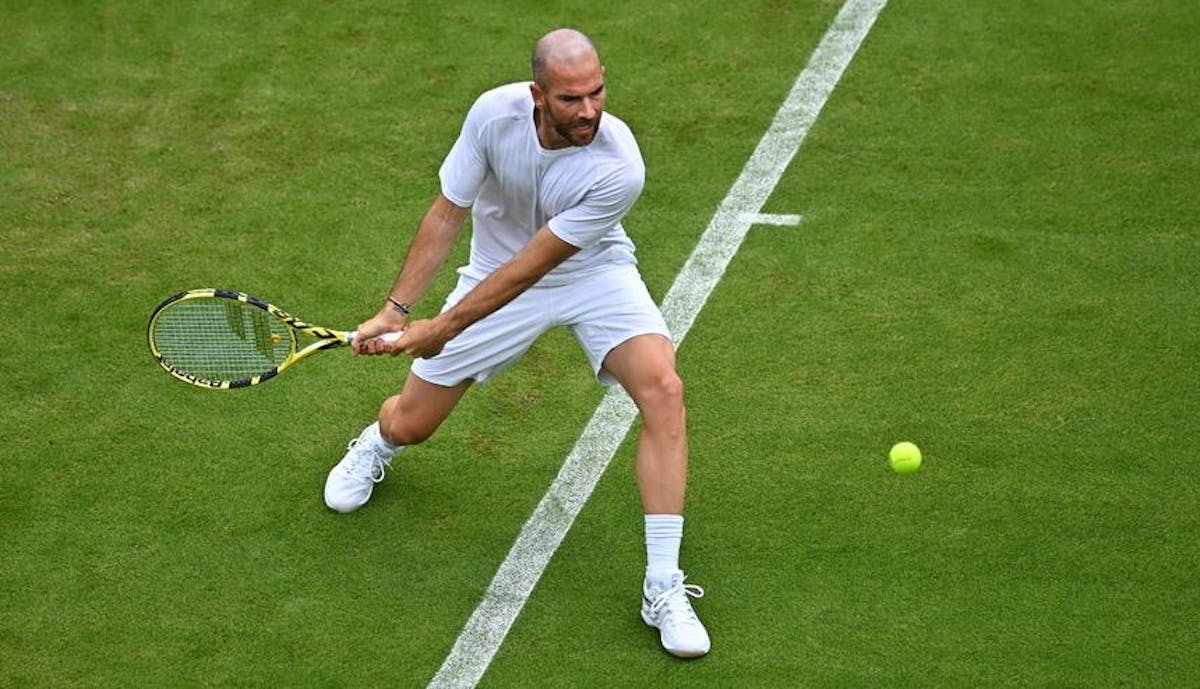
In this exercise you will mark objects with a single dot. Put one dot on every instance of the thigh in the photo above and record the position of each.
(429, 402)
(645, 366)
(420, 408)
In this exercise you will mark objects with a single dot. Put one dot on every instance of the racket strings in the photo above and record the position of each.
(221, 339)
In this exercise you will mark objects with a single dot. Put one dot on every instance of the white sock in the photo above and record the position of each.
(664, 532)
(372, 435)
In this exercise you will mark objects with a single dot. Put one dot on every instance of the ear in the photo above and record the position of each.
(538, 96)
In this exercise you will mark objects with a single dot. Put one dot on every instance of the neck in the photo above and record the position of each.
(547, 136)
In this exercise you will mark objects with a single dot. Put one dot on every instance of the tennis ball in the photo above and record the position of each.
(905, 458)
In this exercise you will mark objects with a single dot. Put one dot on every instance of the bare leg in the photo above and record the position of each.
(645, 367)
(413, 415)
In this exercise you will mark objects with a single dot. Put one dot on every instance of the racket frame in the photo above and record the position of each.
(327, 338)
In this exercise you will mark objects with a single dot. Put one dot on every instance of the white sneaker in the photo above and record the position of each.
(670, 611)
(351, 480)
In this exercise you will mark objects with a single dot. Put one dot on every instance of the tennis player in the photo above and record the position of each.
(547, 176)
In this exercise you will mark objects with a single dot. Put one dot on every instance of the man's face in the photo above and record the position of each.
(570, 103)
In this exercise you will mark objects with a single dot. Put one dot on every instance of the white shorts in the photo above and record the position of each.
(603, 310)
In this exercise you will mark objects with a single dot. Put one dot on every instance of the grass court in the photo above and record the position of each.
(998, 260)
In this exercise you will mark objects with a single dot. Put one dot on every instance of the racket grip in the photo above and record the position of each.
(386, 337)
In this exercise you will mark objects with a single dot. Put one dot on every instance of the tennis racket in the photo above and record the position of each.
(222, 339)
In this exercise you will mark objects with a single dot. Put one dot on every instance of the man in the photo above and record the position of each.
(548, 179)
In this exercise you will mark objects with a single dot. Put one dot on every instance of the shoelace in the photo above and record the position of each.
(675, 600)
(367, 463)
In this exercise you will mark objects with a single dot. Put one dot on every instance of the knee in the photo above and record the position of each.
(400, 428)
(397, 432)
(671, 390)
(663, 395)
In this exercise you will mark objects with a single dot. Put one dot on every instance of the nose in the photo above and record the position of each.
(588, 109)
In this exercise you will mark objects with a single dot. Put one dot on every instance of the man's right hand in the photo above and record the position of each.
(367, 338)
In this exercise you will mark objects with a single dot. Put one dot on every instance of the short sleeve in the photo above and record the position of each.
(465, 167)
(607, 201)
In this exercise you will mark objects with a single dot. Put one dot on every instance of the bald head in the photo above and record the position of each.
(567, 90)
(560, 47)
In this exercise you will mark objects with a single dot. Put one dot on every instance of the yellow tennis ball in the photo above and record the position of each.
(905, 458)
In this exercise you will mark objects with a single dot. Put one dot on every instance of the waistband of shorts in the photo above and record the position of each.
(551, 280)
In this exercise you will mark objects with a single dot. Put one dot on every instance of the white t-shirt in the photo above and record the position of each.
(514, 186)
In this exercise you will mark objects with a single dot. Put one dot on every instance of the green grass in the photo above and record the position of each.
(998, 261)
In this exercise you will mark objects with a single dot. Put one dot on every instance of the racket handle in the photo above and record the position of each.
(386, 337)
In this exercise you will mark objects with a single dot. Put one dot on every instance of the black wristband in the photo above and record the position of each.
(400, 306)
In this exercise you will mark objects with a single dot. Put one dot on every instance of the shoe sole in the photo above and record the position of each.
(678, 653)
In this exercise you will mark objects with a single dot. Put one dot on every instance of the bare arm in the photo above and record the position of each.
(435, 238)
(539, 256)
(436, 234)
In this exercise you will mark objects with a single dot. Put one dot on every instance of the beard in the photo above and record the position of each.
(578, 132)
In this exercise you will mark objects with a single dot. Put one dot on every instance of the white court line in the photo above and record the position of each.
(552, 518)
(772, 219)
